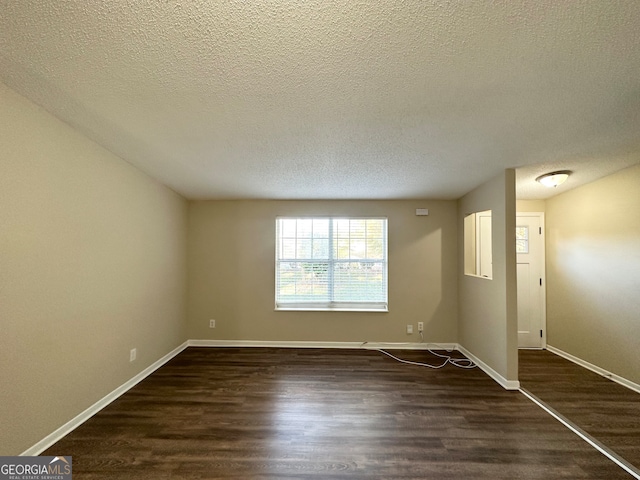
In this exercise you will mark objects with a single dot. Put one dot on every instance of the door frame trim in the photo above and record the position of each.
(543, 273)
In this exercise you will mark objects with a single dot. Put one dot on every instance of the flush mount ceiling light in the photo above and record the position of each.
(553, 179)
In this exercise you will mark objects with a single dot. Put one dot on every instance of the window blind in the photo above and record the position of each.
(331, 263)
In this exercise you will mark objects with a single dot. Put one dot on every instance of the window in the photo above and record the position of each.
(331, 264)
(522, 239)
(477, 245)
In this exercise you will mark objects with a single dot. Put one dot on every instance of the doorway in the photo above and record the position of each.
(532, 332)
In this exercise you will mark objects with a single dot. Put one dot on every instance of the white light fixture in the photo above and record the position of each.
(553, 179)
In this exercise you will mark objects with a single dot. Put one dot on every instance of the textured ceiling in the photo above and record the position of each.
(336, 99)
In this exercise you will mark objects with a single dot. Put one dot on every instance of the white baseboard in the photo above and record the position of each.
(504, 383)
(409, 346)
(304, 344)
(78, 420)
(594, 368)
(272, 344)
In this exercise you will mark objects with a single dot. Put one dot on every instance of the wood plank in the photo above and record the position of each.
(245, 413)
(607, 411)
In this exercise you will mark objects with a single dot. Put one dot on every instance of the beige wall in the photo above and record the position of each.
(530, 206)
(593, 279)
(92, 264)
(487, 323)
(231, 273)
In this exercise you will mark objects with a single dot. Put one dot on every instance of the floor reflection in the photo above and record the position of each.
(607, 411)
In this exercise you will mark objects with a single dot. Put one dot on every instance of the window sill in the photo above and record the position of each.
(484, 277)
(329, 309)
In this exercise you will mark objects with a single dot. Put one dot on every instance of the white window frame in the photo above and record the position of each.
(331, 305)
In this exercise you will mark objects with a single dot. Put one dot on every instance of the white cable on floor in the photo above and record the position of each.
(412, 363)
(456, 362)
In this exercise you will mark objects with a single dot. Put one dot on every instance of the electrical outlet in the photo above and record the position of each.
(420, 327)
(212, 323)
(133, 354)
(409, 329)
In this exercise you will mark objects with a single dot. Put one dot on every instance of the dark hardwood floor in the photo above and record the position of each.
(258, 413)
(607, 411)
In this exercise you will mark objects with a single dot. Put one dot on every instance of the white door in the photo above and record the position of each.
(530, 265)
